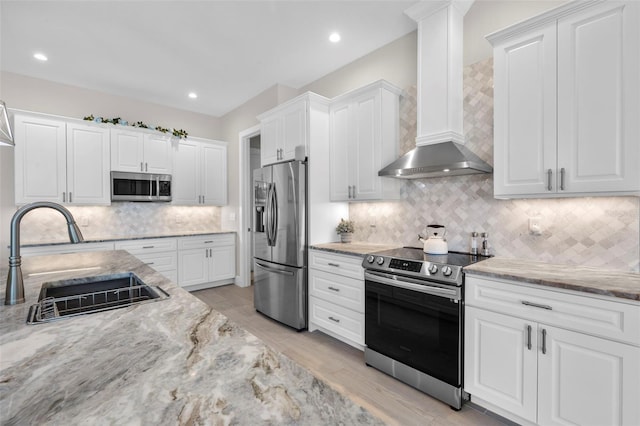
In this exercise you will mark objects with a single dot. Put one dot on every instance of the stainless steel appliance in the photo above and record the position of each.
(280, 242)
(127, 186)
(414, 318)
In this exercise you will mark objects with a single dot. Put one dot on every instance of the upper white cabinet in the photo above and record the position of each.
(200, 173)
(136, 151)
(567, 97)
(364, 132)
(60, 161)
(284, 128)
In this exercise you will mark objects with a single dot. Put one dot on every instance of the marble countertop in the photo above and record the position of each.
(354, 249)
(176, 361)
(600, 281)
(107, 238)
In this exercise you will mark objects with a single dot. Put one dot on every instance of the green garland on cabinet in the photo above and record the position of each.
(117, 120)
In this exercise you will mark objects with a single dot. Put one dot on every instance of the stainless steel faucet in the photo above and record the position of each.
(15, 285)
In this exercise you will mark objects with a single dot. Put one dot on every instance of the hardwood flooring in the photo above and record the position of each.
(343, 367)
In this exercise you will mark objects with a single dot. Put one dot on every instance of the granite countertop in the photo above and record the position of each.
(353, 249)
(107, 238)
(625, 285)
(175, 361)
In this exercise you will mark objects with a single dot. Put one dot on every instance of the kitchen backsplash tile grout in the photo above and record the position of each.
(596, 231)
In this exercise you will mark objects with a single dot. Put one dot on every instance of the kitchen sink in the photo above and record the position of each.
(80, 296)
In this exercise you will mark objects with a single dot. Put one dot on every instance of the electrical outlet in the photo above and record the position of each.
(535, 228)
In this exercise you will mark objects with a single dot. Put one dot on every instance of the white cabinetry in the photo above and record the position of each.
(540, 356)
(567, 102)
(200, 173)
(206, 261)
(137, 151)
(159, 253)
(363, 139)
(60, 161)
(284, 128)
(336, 296)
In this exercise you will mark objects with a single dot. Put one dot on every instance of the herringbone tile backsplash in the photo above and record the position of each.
(598, 231)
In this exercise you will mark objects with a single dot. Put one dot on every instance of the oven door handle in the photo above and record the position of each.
(411, 284)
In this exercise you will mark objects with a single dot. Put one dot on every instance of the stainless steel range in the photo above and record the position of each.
(414, 318)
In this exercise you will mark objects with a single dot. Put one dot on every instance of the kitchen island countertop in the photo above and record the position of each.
(613, 283)
(175, 361)
(352, 249)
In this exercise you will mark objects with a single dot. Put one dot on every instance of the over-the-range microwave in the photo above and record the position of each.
(127, 186)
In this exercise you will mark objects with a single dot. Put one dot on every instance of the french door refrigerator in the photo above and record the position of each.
(280, 242)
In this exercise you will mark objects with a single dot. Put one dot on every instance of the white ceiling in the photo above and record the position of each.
(225, 51)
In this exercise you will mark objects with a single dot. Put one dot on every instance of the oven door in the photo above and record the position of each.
(417, 323)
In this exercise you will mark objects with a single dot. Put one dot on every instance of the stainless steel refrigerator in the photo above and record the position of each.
(280, 242)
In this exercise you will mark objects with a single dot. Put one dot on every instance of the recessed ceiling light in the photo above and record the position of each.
(334, 37)
(40, 56)
(193, 95)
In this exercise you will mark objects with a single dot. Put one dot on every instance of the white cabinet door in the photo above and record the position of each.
(587, 380)
(88, 165)
(294, 129)
(598, 96)
(214, 174)
(501, 361)
(185, 182)
(223, 263)
(269, 146)
(339, 143)
(525, 114)
(157, 153)
(127, 151)
(193, 267)
(366, 146)
(40, 159)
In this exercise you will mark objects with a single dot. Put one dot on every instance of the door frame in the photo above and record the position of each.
(245, 193)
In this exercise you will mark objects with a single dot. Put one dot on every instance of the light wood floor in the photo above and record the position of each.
(342, 366)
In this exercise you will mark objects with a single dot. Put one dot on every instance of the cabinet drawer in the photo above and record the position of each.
(605, 318)
(151, 245)
(338, 289)
(349, 266)
(167, 261)
(206, 241)
(336, 319)
(64, 248)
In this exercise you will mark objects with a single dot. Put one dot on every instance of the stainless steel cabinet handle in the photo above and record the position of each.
(337, 265)
(141, 167)
(334, 289)
(353, 191)
(562, 179)
(150, 263)
(146, 247)
(70, 197)
(537, 305)
(208, 241)
(203, 199)
(549, 175)
(334, 319)
(64, 197)
(349, 190)
(529, 337)
(544, 341)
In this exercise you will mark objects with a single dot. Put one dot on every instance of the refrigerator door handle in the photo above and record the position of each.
(274, 212)
(277, 271)
(269, 216)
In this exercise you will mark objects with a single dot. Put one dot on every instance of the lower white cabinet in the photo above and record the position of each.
(336, 296)
(159, 253)
(206, 261)
(539, 356)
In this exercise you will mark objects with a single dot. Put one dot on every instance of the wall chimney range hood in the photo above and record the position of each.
(440, 149)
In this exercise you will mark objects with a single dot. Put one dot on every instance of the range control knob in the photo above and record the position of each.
(446, 271)
(380, 260)
(433, 268)
(371, 258)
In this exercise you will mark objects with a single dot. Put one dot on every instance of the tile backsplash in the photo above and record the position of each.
(120, 220)
(595, 231)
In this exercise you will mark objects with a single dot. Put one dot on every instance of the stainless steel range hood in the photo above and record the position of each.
(440, 149)
(437, 160)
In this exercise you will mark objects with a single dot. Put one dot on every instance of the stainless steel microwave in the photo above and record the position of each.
(126, 186)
